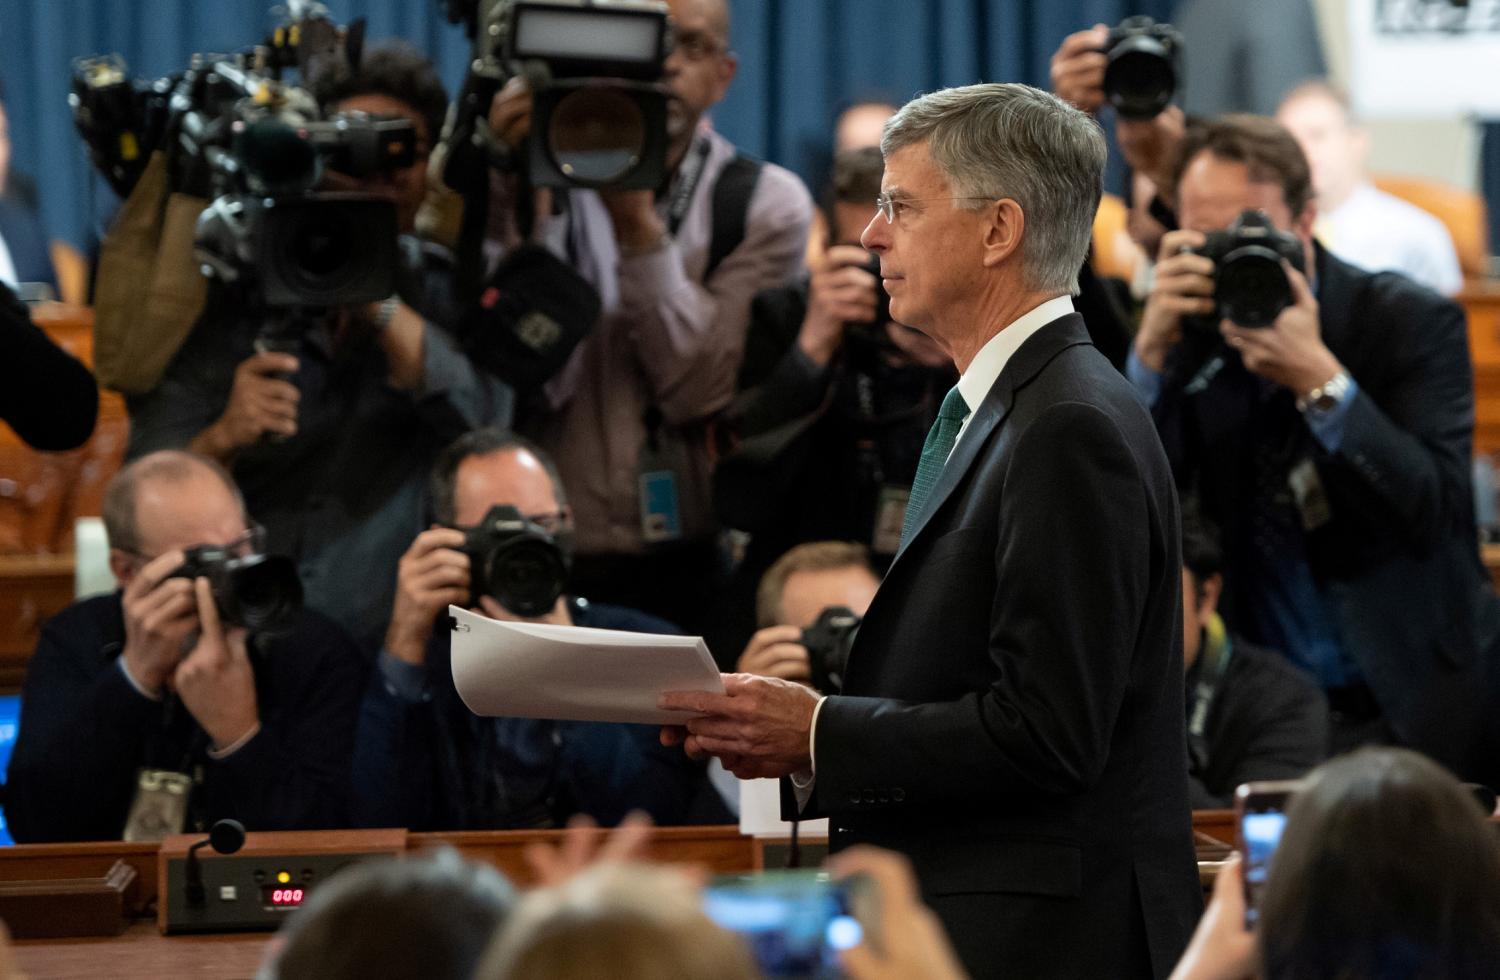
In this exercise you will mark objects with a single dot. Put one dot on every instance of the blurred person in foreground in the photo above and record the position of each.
(1386, 869)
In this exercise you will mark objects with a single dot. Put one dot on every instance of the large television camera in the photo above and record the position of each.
(599, 116)
(236, 131)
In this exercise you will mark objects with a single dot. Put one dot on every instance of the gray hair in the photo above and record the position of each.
(995, 141)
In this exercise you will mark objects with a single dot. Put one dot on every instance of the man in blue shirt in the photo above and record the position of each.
(1332, 446)
(423, 760)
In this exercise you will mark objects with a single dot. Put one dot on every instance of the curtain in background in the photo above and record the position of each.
(801, 61)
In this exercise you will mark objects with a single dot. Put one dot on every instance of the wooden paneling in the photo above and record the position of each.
(1481, 301)
(33, 588)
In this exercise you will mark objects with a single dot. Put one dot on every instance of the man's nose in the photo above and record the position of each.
(874, 237)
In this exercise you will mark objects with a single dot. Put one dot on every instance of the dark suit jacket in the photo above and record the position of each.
(1012, 714)
(85, 731)
(1398, 560)
(1267, 720)
(27, 244)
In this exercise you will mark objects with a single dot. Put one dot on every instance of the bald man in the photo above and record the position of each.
(146, 713)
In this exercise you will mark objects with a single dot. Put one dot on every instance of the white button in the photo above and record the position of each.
(228, 893)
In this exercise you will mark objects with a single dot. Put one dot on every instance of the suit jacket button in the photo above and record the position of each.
(898, 794)
(882, 797)
(854, 796)
(869, 796)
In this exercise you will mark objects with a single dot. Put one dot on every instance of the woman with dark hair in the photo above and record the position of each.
(1387, 870)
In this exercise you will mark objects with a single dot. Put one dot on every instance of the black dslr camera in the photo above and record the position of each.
(1144, 60)
(257, 591)
(1250, 286)
(828, 642)
(515, 561)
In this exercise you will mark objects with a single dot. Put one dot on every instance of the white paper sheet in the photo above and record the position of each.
(527, 670)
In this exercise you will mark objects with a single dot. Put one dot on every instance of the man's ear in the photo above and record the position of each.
(122, 566)
(1003, 232)
(729, 63)
(1209, 591)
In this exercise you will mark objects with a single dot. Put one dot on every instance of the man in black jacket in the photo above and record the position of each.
(46, 394)
(1333, 448)
(148, 688)
(423, 760)
(1250, 713)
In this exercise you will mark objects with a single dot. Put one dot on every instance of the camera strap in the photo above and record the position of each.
(689, 174)
(1218, 648)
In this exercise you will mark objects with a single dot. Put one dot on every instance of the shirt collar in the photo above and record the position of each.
(977, 381)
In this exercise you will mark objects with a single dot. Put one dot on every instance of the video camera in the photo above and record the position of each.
(1250, 286)
(235, 131)
(515, 561)
(1143, 64)
(599, 116)
(828, 642)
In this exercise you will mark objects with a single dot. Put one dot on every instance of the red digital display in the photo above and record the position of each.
(282, 896)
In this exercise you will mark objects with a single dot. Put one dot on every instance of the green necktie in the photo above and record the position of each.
(940, 440)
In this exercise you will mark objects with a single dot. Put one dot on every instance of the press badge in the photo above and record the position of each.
(661, 519)
(1309, 495)
(160, 805)
(890, 517)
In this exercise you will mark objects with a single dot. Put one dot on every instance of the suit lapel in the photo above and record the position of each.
(1039, 349)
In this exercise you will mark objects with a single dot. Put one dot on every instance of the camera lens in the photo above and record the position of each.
(321, 251)
(264, 593)
(1252, 288)
(596, 135)
(526, 576)
(1139, 79)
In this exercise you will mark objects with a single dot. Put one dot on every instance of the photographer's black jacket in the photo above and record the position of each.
(1398, 559)
(85, 731)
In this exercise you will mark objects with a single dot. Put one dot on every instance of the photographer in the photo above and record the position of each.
(148, 712)
(332, 443)
(628, 417)
(835, 401)
(423, 760)
(1332, 445)
(1250, 714)
(794, 595)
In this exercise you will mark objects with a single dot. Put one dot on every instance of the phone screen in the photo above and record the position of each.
(795, 922)
(1262, 819)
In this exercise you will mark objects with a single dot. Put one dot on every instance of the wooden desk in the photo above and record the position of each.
(141, 952)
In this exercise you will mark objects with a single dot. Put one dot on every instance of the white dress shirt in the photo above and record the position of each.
(7, 265)
(1381, 232)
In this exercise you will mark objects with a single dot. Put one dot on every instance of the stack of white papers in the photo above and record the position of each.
(572, 673)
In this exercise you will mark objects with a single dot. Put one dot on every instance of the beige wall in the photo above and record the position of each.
(1442, 149)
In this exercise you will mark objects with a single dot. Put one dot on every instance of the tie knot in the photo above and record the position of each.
(954, 408)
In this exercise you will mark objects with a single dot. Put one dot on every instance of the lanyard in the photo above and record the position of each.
(686, 184)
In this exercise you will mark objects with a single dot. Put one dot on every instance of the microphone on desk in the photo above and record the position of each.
(225, 836)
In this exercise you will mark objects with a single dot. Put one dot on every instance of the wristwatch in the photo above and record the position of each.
(1328, 395)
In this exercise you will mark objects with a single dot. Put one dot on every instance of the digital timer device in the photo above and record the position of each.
(257, 887)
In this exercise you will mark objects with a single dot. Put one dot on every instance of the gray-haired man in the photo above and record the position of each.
(1011, 717)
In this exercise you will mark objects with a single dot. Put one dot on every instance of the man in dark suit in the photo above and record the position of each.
(1333, 448)
(1012, 711)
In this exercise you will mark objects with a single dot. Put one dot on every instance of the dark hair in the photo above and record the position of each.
(1202, 555)
(1386, 869)
(394, 69)
(482, 442)
(429, 916)
(1262, 144)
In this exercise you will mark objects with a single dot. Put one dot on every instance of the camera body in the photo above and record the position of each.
(516, 562)
(828, 641)
(1144, 62)
(257, 591)
(1250, 286)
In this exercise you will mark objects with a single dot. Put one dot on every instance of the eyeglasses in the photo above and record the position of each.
(551, 523)
(696, 46)
(891, 208)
